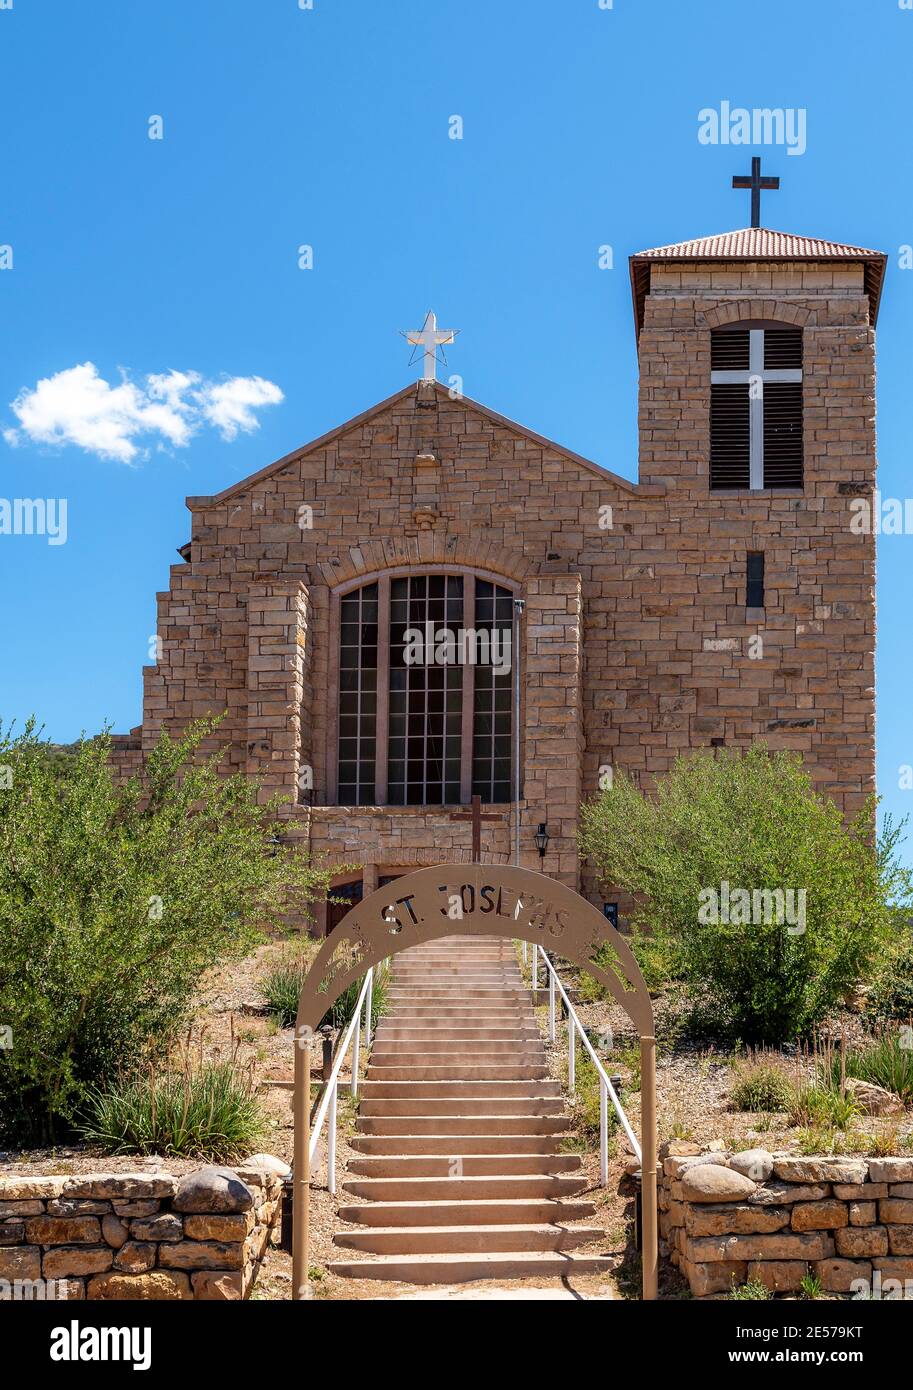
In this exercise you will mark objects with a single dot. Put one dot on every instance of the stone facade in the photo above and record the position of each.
(139, 1235)
(636, 644)
(728, 1218)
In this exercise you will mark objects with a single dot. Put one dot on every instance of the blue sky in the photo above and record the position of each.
(329, 127)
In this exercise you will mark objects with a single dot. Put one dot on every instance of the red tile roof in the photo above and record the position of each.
(756, 244)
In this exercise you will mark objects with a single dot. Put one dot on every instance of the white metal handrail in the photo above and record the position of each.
(606, 1089)
(326, 1110)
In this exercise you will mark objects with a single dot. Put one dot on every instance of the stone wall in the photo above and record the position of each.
(139, 1235)
(727, 1218)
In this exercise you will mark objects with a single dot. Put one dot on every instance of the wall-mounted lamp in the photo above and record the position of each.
(542, 838)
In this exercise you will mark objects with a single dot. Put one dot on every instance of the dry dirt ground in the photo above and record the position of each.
(693, 1089)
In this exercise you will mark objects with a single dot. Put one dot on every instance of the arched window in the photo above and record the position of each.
(756, 406)
(424, 713)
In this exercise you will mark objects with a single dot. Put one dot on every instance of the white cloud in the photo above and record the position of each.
(121, 422)
(229, 405)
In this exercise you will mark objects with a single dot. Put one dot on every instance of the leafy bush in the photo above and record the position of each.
(890, 998)
(656, 957)
(751, 821)
(586, 1103)
(761, 1085)
(207, 1111)
(891, 995)
(114, 899)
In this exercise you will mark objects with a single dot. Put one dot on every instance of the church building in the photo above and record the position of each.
(433, 603)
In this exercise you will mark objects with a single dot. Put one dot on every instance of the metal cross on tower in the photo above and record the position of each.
(755, 183)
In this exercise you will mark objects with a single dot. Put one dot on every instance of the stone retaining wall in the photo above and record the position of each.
(730, 1217)
(139, 1235)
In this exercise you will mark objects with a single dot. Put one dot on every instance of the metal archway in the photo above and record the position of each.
(472, 900)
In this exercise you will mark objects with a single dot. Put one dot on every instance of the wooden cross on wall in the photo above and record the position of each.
(475, 815)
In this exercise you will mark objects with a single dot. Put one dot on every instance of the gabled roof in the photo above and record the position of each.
(412, 389)
(756, 244)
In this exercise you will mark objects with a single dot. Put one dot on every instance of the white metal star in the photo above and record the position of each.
(429, 338)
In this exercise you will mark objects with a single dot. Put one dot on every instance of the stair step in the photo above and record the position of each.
(445, 1033)
(457, 1071)
(465, 1240)
(456, 1269)
(455, 1012)
(508, 1212)
(484, 993)
(479, 1143)
(457, 979)
(464, 1124)
(455, 976)
(483, 1054)
(498, 1165)
(464, 1105)
(438, 1090)
(462, 1189)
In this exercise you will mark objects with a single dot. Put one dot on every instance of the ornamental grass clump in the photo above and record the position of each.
(206, 1109)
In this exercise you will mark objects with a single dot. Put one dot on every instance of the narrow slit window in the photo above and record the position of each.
(754, 595)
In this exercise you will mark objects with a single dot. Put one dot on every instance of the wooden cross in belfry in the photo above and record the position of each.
(475, 815)
(755, 183)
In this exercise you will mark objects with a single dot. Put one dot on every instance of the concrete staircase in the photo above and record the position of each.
(459, 1173)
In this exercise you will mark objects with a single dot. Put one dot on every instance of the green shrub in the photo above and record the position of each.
(760, 1085)
(658, 958)
(586, 1102)
(209, 1111)
(752, 821)
(114, 900)
(891, 995)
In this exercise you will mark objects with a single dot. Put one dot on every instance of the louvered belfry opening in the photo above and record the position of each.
(730, 419)
(756, 408)
(783, 409)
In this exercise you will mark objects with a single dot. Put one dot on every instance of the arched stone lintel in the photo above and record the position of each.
(430, 548)
(773, 310)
